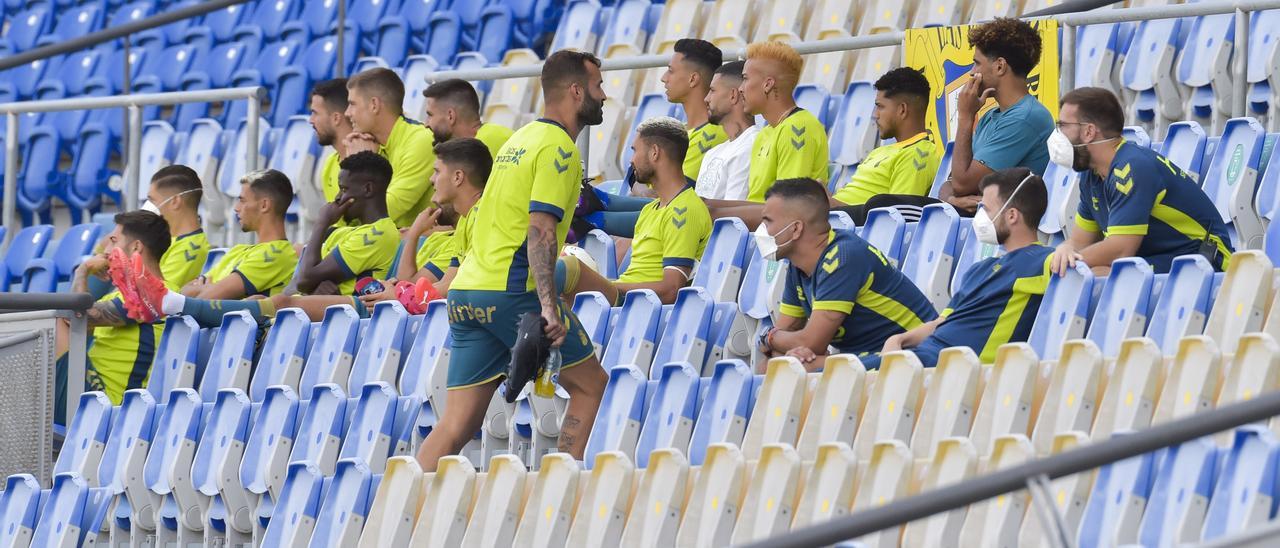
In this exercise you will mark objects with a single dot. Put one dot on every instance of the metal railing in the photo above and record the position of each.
(133, 149)
(1030, 475)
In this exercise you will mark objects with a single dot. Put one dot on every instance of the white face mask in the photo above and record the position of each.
(151, 207)
(768, 243)
(984, 228)
(1062, 152)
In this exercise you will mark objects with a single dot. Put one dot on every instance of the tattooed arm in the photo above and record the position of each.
(542, 260)
(102, 313)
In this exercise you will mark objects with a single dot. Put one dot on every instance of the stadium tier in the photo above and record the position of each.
(289, 422)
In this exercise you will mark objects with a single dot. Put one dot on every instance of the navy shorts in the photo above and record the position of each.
(483, 325)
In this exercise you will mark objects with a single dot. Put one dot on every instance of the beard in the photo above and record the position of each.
(715, 117)
(1080, 159)
(592, 111)
(325, 138)
(440, 136)
(644, 174)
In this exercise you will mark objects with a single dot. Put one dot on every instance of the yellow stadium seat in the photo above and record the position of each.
(731, 23)
(829, 488)
(886, 478)
(395, 506)
(1008, 398)
(995, 522)
(654, 518)
(714, 504)
(830, 69)
(891, 410)
(1129, 399)
(606, 143)
(446, 504)
(986, 11)
(551, 503)
(954, 461)
(1069, 493)
(882, 14)
(833, 411)
(841, 15)
(1255, 370)
(949, 401)
(513, 95)
(1070, 401)
(770, 503)
(779, 407)
(680, 19)
(651, 79)
(1193, 380)
(942, 12)
(1240, 304)
(870, 64)
(602, 513)
(621, 85)
(498, 504)
(786, 21)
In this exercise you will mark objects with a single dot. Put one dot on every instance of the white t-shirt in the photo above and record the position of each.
(725, 168)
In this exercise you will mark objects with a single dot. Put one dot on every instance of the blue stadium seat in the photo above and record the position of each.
(281, 359)
(593, 312)
(1148, 70)
(76, 22)
(853, 133)
(315, 20)
(753, 297)
(685, 334)
(157, 151)
(210, 70)
(39, 173)
(320, 427)
(27, 26)
(1246, 489)
(345, 505)
(617, 425)
(416, 70)
(674, 407)
(72, 512)
(886, 230)
(27, 244)
(496, 32)
(77, 243)
(231, 358)
(39, 277)
(929, 260)
(626, 30)
(1184, 145)
(177, 433)
(814, 99)
(1119, 494)
(840, 220)
(1232, 180)
(220, 25)
(944, 171)
(1181, 492)
(578, 26)
(405, 30)
(1124, 305)
(1137, 135)
(636, 332)
(368, 438)
(134, 11)
(724, 260)
(334, 346)
(317, 63)
(428, 349)
(1264, 39)
(19, 83)
(267, 20)
(266, 452)
(1271, 244)
(368, 16)
(601, 248)
(298, 507)
(83, 187)
(1064, 312)
(212, 259)
(19, 509)
(445, 30)
(215, 468)
(1099, 50)
(176, 357)
(378, 358)
(119, 469)
(1203, 67)
(725, 410)
(164, 72)
(1062, 185)
(270, 62)
(86, 437)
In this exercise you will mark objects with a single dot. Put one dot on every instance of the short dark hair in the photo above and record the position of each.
(566, 67)
(333, 92)
(1012, 39)
(380, 82)
(702, 54)
(668, 133)
(470, 155)
(1099, 107)
(803, 189)
(732, 69)
(272, 184)
(1031, 201)
(905, 81)
(368, 163)
(456, 92)
(145, 227)
(179, 178)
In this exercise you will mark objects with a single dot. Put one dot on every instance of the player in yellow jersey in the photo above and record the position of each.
(794, 143)
(687, 80)
(254, 269)
(175, 195)
(374, 106)
(453, 112)
(672, 230)
(521, 226)
(121, 350)
(329, 120)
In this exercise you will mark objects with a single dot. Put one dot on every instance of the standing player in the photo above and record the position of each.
(525, 216)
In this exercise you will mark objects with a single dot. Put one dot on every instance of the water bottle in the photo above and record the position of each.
(545, 385)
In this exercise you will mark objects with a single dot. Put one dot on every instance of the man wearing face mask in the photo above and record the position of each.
(672, 231)
(254, 269)
(1133, 201)
(840, 292)
(175, 195)
(375, 106)
(1000, 296)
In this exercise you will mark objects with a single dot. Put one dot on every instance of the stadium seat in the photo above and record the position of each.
(551, 502)
(369, 434)
(39, 277)
(716, 499)
(621, 414)
(77, 21)
(167, 469)
(1137, 135)
(329, 360)
(685, 335)
(294, 156)
(27, 26)
(672, 409)
(1245, 490)
(498, 502)
(1242, 301)
(600, 247)
(1063, 189)
(231, 358)
(378, 357)
(778, 408)
(770, 501)
(725, 258)
(86, 438)
(268, 20)
(1132, 386)
(1191, 384)
(82, 188)
(509, 101)
(163, 71)
(270, 441)
(625, 32)
(814, 99)
(394, 509)
(320, 426)
(1183, 303)
(594, 313)
(1232, 178)
(1071, 493)
(602, 510)
(220, 25)
(1148, 72)
(312, 22)
(636, 332)
(853, 133)
(949, 401)
(1008, 398)
(578, 27)
(870, 64)
(39, 173)
(427, 357)
(996, 521)
(954, 461)
(215, 469)
(834, 406)
(297, 508)
(344, 507)
(123, 458)
(1124, 305)
(317, 63)
(730, 24)
(72, 513)
(784, 21)
(1204, 67)
(20, 509)
(1254, 370)
(725, 410)
(650, 106)
(1100, 51)
(1115, 506)
(1262, 76)
(606, 143)
(1070, 400)
(829, 486)
(1064, 311)
(829, 15)
(176, 357)
(449, 495)
(20, 82)
(885, 230)
(929, 262)
(1184, 145)
(1180, 494)
(886, 477)
(892, 405)
(157, 138)
(212, 259)
(659, 501)
(829, 70)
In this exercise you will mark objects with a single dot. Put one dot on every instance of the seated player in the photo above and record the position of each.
(375, 99)
(175, 194)
(906, 167)
(332, 262)
(121, 350)
(254, 269)
(998, 300)
(726, 167)
(841, 292)
(453, 112)
(672, 231)
(1133, 201)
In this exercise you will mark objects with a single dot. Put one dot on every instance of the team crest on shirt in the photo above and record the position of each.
(510, 156)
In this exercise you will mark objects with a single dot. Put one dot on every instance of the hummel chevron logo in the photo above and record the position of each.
(375, 231)
(919, 164)
(678, 223)
(799, 131)
(831, 265)
(921, 152)
(563, 154)
(798, 144)
(1121, 172)
(707, 137)
(194, 246)
(1125, 187)
(704, 148)
(189, 255)
(267, 258)
(367, 240)
(560, 168)
(680, 210)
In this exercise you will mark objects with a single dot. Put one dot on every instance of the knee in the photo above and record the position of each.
(588, 380)
(282, 301)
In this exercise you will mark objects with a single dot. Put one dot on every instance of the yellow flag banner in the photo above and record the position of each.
(945, 57)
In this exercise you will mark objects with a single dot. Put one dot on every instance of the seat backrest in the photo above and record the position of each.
(39, 277)
(86, 437)
(932, 254)
(1153, 46)
(617, 425)
(1246, 487)
(1239, 305)
(1064, 311)
(593, 312)
(269, 440)
(28, 244)
(27, 26)
(725, 410)
(1061, 183)
(600, 247)
(79, 21)
(885, 230)
(1183, 303)
(1199, 57)
(1184, 145)
(848, 143)
(1119, 495)
(674, 406)
(320, 427)
(76, 243)
(445, 36)
(333, 351)
(429, 350)
(685, 333)
(176, 356)
(63, 514)
(626, 26)
(177, 427)
(724, 259)
(299, 504)
(378, 358)
(132, 425)
(1124, 305)
(368, 438)
(231, 359)
(577, 27)
(344, 504)
(1137, 135)
(813, 99)
(218, 456)
(1183, 484)
(635, 334)
(19, 508)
